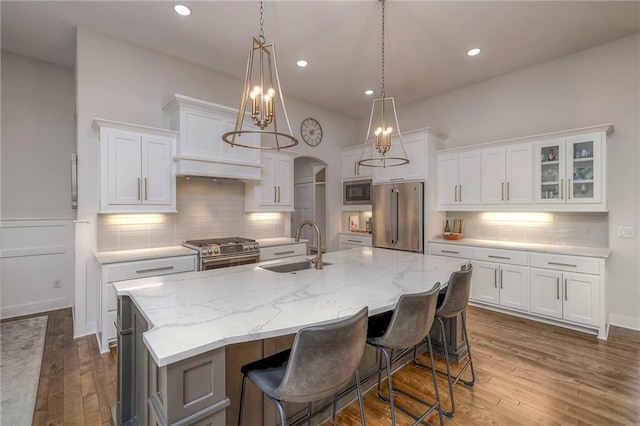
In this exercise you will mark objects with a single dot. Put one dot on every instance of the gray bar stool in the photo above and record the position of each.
(454, 302)
(320, 363)
(410, 322)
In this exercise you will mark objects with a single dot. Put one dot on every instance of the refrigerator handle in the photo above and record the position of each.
(395, 202)
(391, 216)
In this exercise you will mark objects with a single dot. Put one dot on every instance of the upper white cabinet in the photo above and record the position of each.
(201, 150)
(507, 175)
(275, 191)
(136, 168)
(350, 167)
(459, 178)
(561, 171)
(571, 171)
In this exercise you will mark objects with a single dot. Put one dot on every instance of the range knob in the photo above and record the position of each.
(215, 251)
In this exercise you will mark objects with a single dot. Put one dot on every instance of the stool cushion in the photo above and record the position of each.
(267, 373)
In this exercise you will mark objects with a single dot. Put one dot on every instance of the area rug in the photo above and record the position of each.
(20, 359)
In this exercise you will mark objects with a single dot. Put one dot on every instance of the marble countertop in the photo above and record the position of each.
(281, 241)
(106, 257)
(540, 248)
(196, 312)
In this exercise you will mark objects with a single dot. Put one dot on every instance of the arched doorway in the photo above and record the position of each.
(310, 199)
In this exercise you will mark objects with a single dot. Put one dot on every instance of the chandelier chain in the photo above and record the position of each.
(383, 91)
(261, 37)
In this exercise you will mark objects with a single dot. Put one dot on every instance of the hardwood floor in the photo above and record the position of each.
(526, 373)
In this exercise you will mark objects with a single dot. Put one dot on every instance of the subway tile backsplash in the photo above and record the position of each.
(207, 208)
(576, 229)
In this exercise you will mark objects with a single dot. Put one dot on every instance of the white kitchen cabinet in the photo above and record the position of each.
(127, 270)
(350, 240)
(275, 191)
(201, 150)
(136, 168)
(505, 283)
(350, 167)
(283, 251)
(571, 171)
(572, 296)
(507, 175)
(459, 179)
(415, 146)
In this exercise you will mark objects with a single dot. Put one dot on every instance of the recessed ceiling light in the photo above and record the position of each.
(368, 92)
(473, 52)
(302, 63)
(182, 10)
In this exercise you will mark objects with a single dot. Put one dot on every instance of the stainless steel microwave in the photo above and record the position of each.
(356, 192)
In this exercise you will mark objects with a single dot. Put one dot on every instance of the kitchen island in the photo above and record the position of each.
(174, 331)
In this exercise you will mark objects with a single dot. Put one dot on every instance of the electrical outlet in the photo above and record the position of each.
(626, 232)
(57, 283)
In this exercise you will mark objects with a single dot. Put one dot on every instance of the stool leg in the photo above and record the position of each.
(446, 363)
(244, 379)
(466, 340)
(435, 379)
(390, 385)
(335, 408)
(360, 404)
(309, 414)
(283, 418)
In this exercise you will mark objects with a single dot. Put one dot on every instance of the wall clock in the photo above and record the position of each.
(311, 131)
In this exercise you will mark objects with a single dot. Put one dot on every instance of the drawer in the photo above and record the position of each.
(559, 262)
(509, 257)
(112, 298)
(451, 250)
(356, 240)
(149, 268)
(279, 252)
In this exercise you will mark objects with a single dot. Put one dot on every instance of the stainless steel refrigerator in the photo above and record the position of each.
(398, 218)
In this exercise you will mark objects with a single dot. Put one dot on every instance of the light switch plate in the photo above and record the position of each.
(626, 232)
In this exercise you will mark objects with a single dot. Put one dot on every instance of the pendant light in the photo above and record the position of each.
(260, 90)
(378, 150)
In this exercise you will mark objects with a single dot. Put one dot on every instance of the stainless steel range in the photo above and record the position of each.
(222, 252)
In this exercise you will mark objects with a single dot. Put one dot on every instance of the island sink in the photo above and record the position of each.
(284, 268)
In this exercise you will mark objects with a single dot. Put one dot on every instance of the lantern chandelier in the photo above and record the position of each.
(383, 110)
(259, 88)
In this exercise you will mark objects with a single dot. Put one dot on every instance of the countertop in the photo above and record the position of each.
(540, 248)
(196, 312)
(369, 234)
(281, 241)
(106, 257)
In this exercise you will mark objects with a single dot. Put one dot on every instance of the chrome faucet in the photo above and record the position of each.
(318, 259)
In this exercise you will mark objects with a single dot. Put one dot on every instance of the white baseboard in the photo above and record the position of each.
(35, 308)
(624, 322)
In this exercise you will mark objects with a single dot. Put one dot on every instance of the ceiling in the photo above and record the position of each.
(426, 41)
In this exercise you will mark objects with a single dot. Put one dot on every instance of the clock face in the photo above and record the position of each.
(311, 131)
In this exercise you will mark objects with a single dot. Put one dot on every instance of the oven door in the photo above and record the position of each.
(217, 262)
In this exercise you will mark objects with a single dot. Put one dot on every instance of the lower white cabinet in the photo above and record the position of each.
(283, 251)
(120, 271)
(348, 241)
(563, 289)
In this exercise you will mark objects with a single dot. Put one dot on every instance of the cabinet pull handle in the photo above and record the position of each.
(460, 193)
(501, 271)
(455, 193)
(146, 189)
(562, 189)
(281, 253)
(495, 278)
(146, 271)
(355, 168)
(138, 188)
(502, 194)
(450, 251)
(508, 191)
(566, 295)
(278, 194)
(499, 257)
(568, 189)
(275, 195)
(562, 264)
(558, 288)
(355, 241)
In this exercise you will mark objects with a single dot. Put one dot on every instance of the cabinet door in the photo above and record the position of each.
(519, 174)
(514, 287)
(200, 135)
(157, 179)
(238, 154)
(581, 295)
(549, 172)
(486, 282)
(448, 179)
(124, 183)
(284, 179)
(493, 181)
(416, 151)
(469, 177)
(350, 167)
(546, 292)
(268, 190)
(584, 169)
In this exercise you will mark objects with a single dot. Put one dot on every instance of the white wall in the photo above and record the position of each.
(595, 86)
(122, 82)
(36, 234)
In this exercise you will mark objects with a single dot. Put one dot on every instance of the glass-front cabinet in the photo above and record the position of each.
(569, 170)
